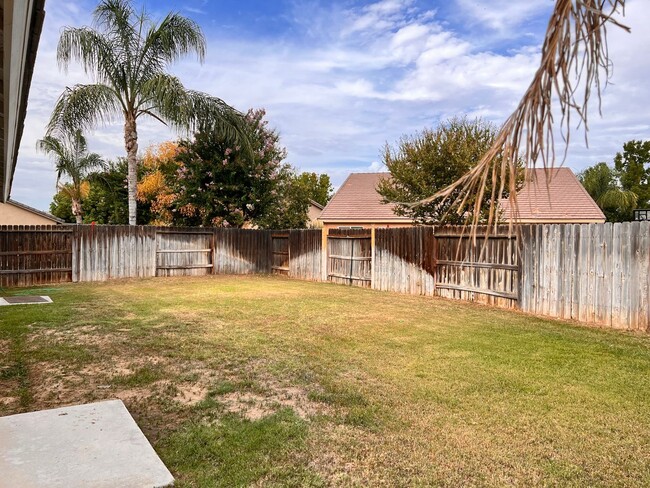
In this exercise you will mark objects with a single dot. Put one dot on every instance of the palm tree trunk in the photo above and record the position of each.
(131, 143)
(76, 211)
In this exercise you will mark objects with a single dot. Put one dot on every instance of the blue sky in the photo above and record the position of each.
(339, 79)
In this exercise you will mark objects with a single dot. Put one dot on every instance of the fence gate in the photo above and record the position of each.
(477, 270)
(280, 253)
(179, 253)
(349, 257)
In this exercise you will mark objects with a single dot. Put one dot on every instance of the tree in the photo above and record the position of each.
(427, 162)
(211, 182)
(633, 169)
(107, 202)
(127, 54)
(601, 183)
(61, 207)
(73, 162)
(318, 187)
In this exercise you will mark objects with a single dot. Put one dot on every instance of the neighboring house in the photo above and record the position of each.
(15, 213)
(358, 205)
(313, 214)
(21, 30)
(563, 200)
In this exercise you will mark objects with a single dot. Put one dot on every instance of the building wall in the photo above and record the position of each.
(12, 215)
(313, 213)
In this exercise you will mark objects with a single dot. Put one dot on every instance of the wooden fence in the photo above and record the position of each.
(598, 273)
(32, 255)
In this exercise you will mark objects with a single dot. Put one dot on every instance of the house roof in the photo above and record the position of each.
(562, 199)
(357, 200)
(315, 204)
(35, 211)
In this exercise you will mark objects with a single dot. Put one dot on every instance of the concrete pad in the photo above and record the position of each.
(24, 300)
(95, 445)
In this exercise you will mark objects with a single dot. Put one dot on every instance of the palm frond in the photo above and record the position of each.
(624, 200)
(176, 36)
(574, 57)
(165, 98)
(93, 51)
(84, 107)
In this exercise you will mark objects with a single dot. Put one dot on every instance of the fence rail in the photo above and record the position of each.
(598, 273)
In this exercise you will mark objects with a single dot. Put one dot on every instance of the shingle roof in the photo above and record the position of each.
(562, 199)
(358, 200)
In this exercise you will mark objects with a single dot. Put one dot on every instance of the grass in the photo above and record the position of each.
(242, 381)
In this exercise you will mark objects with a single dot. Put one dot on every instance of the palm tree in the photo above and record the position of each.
(127, 55)
(600, 182)
(73, 162)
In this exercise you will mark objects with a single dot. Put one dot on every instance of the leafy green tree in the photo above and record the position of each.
(423, 164)
(602, 184)
(106, 202)
(212, 182)
(73, 163)
(290, 210)
(318, 187)
(128, 54)
(633, 169)
(61, 207)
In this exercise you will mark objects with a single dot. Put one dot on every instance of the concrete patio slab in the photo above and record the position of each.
(24, 300)
(95, 445)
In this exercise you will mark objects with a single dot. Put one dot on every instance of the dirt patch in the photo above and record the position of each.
(191, 394)
(255, 406)
(4, 347)
(83, 335)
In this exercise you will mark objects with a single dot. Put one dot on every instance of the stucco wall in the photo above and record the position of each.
(12, 215)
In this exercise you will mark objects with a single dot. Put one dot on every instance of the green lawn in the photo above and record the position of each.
(243, 381)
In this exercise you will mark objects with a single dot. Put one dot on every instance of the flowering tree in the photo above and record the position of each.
(211, 182)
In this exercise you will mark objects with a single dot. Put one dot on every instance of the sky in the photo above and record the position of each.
(340, 79)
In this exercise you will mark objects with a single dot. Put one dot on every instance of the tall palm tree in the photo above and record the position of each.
(73, 162)
(600, 182)
(127, 54)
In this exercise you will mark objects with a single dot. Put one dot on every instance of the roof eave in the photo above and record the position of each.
(23, 22)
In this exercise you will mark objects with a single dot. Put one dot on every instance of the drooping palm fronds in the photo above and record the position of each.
(127, 55)
(575, 57)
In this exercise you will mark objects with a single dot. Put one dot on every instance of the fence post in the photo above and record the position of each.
(372, 257)
(324, 253)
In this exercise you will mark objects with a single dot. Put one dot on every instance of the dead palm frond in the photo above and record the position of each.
(575, 57)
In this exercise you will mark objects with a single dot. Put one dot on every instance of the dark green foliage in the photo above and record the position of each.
(623, 188)
(107, 201)
(633, 168)
(217, 183)
(602, 183)
(61, 207)
(318, 187)
(290, 209)
(431, 160)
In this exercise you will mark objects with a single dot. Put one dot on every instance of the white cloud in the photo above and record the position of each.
(366, 77)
